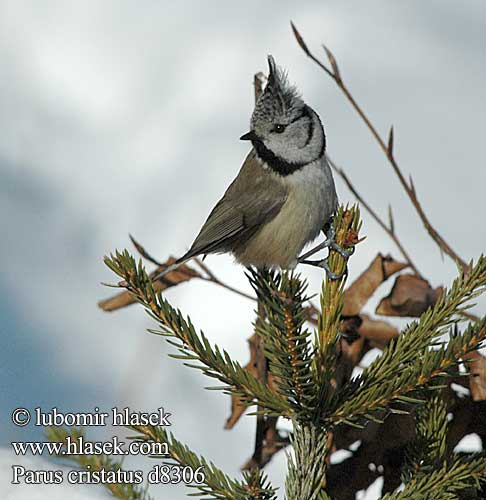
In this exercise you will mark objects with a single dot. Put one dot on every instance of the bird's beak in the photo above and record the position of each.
(249, 136)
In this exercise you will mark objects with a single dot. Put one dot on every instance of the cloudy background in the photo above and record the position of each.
(121, 116)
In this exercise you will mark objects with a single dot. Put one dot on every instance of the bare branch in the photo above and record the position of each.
(304, 47)
(212, 278)
(141, 250)
(390, 141)
(389, 230)
(387, 150)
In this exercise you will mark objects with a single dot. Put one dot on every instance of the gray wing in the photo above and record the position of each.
(254, 198)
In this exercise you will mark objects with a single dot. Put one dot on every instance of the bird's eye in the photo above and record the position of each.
(279, 128)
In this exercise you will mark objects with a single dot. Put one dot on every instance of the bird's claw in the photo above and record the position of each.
(324, 265)
(345, 253)
(330, 243)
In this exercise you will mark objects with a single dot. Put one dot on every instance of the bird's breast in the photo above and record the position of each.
(310, 202)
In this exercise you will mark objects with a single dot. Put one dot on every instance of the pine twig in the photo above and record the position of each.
(191, 346)
(347, 224)
(408, 363)
(124, 490)
(306, 471)
(445, 483)
(261, 362)
(429, 448)
(216, 484)
(209, 275)
(286, 342)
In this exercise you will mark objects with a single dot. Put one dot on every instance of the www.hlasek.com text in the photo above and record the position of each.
(79, 446)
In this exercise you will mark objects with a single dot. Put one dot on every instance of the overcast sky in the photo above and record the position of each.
(122, 116)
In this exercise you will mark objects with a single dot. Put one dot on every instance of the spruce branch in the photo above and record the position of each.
(430, 367)
(430, 445)
(446, 483)
(308, 376)
(306, 473)
(261, 365)
(347, 224)
(98, 463)
(181, 334)
(286, 342)
(216, 485)
(407, 362)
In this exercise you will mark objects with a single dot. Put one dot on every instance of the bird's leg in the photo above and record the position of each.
(324, 265)
(330, 235)
(330, 243)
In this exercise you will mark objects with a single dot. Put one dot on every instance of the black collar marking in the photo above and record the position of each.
(280, 166)
(310, 131)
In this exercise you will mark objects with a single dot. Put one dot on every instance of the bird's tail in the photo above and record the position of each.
(173, 266)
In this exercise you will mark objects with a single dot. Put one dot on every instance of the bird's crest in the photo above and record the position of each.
(279, 97)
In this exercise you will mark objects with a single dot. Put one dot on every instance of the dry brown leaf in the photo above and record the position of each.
(180, 275)
(378, 332)
(359, 292)
(477, 376)
(237, 410)
(237, 407)
(349, 328)
(273, 441)
(353, 351)
(410, 296)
